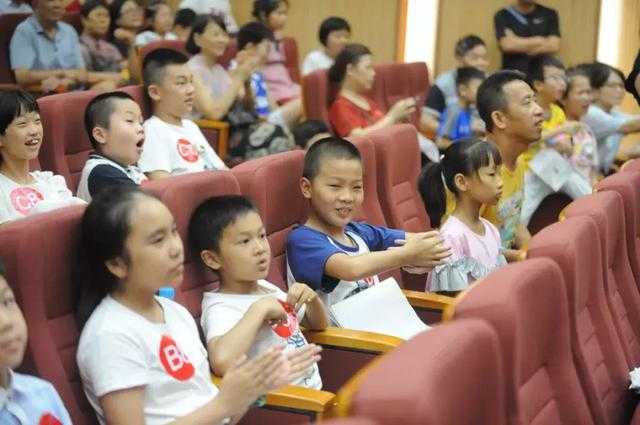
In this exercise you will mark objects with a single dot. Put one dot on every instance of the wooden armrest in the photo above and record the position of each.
(428, 300)
(8, 86)
(292, 397)
(349, 339)
(214, 124)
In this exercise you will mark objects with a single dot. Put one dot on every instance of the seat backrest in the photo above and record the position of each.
(542, 383)
(229, 54)
(182, 195)
(291, 58)
(178, 45)
(66, 144)
(398, 159)
(434, 379)
(628, 186)
(607, 211)
(371, 212)
(317, 94)
(273, 185)
(75, 20)
(8, 23)
(600, 362)
(45, 251)
(402, 80)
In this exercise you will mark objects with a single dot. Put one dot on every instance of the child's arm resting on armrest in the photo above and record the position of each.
(315, 317)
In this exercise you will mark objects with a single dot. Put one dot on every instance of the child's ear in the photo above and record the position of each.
(461, 182)
(305, 187)
(118, 267)
(100, 134)
(211, 259)
(154, 92)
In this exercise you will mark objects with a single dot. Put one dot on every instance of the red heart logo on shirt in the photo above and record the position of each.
(49, 419)
(187, 151)
(24, 199)
(290, 326)
(174, 361)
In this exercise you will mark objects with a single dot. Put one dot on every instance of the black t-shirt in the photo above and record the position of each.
(542, 21)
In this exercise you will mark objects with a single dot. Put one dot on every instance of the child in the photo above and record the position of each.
(140, 356)
(183, 23)
(469, 169)
(24, 399)
(24, 192)
(334, 255)
(114, 124)
(334, 34)
(461, 120)
(310, 131)
(174, 144)
(273, 14)
(548, 79)
(247, 315)
(159, 17)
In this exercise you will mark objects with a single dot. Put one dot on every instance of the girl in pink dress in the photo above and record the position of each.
(470, 171)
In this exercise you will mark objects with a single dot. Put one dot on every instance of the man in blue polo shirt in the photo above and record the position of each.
(45, 51)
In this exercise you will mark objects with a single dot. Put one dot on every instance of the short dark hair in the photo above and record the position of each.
(185, 17)
(575, 71)
(253, 32)
(199, 26)
(14, 103)
(466, 44)
(599, 73)
(350, 55)
(332, 23)
(263, 8)
(99, 110)
(328, 149)
(491, 96)
(89, 5)
(308, 129)
(535, 71)
(212, 217)
(153, 67)
(467, 73)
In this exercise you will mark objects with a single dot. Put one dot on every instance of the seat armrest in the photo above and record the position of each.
(349, 339)
(296, 398)
(223, 134)
(428, 300)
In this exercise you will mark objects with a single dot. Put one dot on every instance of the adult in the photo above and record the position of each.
(524, 30)
(608, 123)
(127, 18)
(215, 7)
(14, 6)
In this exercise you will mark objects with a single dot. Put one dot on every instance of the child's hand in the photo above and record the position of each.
(301, 359)
(425, 249)
(300, 294)
(247, 380)
(270, 309)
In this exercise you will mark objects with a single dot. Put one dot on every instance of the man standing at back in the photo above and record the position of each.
(524, 30)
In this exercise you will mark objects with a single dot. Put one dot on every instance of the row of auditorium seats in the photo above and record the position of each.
(39, 252)
(550, 340)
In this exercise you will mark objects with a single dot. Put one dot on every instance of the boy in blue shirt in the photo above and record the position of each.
(334, 255)
(461, 119)
(24, 399)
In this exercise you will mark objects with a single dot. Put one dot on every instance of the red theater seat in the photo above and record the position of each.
(607, 211)
(8, 23)
(628, 186)
(452, 374)
(46, 251)
(600, 362)
(291, 58)
(371, 212)
(526, 304)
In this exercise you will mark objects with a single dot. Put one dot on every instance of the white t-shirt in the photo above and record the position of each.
(119, 349)
(221, 312)
(315, 60)
(205, 7)
(48, 192)
(147, 37)
(177, 149)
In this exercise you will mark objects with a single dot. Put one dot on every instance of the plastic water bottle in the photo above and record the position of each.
(167, 292)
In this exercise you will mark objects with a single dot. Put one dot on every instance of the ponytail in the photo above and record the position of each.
(431, 188)
(350, 55)
(465, 157)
